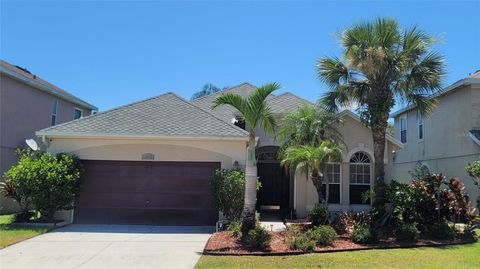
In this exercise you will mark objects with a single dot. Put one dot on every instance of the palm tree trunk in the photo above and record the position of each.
(248, 221)
(378, 133)
(317, 182)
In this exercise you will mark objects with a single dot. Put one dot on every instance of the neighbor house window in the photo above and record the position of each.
(332, 177)
(420, 125)
(77, 113)
(360, 177)
(54, 112)
(403, 129)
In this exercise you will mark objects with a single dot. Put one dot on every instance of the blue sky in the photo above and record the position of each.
(111, 53)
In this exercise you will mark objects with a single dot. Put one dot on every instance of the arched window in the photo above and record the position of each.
(360, 177)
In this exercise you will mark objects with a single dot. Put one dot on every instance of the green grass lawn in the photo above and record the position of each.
(12, 234)
(457, 256)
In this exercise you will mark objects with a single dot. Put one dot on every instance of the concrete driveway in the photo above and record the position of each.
(109, 246)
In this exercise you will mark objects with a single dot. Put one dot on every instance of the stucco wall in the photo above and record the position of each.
(24, 110)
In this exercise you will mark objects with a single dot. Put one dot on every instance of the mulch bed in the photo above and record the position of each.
(223, 243)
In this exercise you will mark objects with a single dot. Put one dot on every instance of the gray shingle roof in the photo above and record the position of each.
(164, 115)
(284, 103)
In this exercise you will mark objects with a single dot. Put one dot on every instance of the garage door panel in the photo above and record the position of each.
(160, 193)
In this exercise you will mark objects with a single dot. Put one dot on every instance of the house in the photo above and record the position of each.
(150, 162)
(447, 139)
(27, 104)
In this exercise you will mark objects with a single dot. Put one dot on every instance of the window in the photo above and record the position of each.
(54, 112)
(77, 113)
(332, 176)
(403, 129)
(420, 125)
(360, 177)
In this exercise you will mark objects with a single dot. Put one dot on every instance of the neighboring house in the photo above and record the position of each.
(150, 162)
(446, 140)
(27, 104)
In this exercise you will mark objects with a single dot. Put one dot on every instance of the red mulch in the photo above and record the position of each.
(226, 244)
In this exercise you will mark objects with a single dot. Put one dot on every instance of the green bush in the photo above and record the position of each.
(48, 182)
(235, 228)
(364, 234)
(228, 192)
(318, 215)
(323, 235)
(294, 229)
(258, 238)
(442, 231)
(301, 242)
(407, 232)
(349, 220)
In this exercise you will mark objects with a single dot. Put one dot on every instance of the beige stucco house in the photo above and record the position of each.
(27, 104)
(446, 140)
(150, 162)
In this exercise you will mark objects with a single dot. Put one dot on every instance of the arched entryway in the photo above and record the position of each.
(275, 191)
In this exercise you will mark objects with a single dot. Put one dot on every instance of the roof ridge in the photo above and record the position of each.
(292, 94)
(210, 114)
(225, 90)
(106, 111)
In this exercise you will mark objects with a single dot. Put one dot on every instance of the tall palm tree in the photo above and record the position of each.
(255, 112)
(311, 160)
(207, 89)
(380, 64)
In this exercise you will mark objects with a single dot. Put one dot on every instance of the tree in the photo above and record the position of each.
(311, 160)
(255, 111)
(207, 89)
(382, 63)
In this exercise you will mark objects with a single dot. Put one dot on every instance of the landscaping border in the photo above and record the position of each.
(294, 253)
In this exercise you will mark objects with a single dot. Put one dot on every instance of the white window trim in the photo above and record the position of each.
(340, 183)
(420, 116)
(406, 129)
(54, 113)
(371, 164)
(81, 112)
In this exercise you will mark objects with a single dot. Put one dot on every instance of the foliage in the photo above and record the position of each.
(24, 216)
(364, 234)
(473, 170)
(407, 232)
(318, 215)
(235, 228)
(301, 242)
(323, 235)
(207, 89)
(441, 230)
(228, 192)
(347, 221)
(49, 182)
(294, 229)
(258, 238)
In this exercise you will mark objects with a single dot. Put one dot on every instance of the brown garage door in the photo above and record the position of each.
(158, 193)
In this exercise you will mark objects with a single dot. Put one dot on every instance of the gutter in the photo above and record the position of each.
(45, 88)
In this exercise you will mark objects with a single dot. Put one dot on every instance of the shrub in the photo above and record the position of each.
(301, 242)
(323, 235)
(228, 192)
(294, 229)
(318, 215)
(258, 238)
(407, 232)
(49, 182)
(235, 228)
(349, 220)
(442, 230)
(364, 234)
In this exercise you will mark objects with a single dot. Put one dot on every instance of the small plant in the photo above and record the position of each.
(301, 242)
(235, 228)
(407, 232)
(442, 231)
(293, 229)
(349, 220)
(318, 215)
(364, 234)
(323, 235)
(258, 238)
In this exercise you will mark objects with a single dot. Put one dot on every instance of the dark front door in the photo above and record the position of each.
(157, 193)
(275, 182)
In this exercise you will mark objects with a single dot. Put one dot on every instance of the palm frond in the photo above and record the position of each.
(425, 104)
(231, 99)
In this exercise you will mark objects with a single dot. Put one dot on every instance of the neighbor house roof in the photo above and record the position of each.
(28, 78)
(279, 104)
(164, 116)
(472, 79)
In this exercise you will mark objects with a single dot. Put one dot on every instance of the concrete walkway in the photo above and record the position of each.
(109, 246)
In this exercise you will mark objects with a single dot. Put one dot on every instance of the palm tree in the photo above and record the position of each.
(255, 111)
(207, 89)
(382, 63)
(311, 160)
